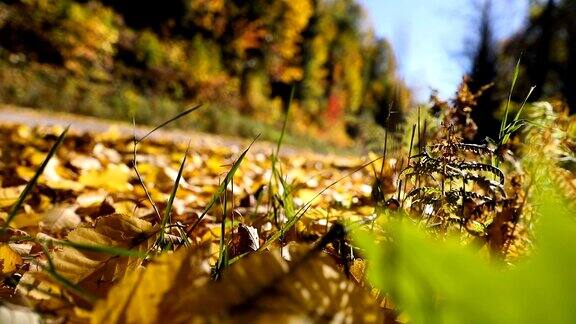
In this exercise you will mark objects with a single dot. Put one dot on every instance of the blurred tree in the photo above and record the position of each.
(318, 39)
(144, 14)
(569, 77)
(386, 97)
(86, 39)
(483, 74)
(547, 46)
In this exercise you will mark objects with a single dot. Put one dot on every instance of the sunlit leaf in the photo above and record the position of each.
(115, 178)
(9, 195)
(92, 260)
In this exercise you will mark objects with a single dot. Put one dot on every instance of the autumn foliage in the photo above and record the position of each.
(120, 59)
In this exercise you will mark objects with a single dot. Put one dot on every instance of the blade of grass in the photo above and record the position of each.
(222, 251)
(222, 187)
(180, 115)
(385, 149)
(519, 112)
(30, 185)
(168, 209)
(139, 176)
(136, 142)
(515, 124)
(111, 250)
(276, 173)
(409, 155)
(504, 122)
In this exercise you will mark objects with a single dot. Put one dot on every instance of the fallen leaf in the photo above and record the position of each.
(168, 275)
(244, 240)
(25, 219)
(9, 260)
(114, 178)
(83, 162)
(96, 269)
(61, 217)
(105, 154)
(91, 198)
(8, 196)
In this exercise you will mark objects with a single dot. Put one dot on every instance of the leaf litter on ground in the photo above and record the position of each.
(69, 242)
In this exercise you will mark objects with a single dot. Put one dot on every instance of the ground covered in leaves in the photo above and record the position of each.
(103, 238)
(128, 226)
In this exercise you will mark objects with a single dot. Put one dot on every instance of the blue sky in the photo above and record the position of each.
(430, 37)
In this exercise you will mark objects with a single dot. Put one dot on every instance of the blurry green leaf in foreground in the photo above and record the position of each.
(444, 282)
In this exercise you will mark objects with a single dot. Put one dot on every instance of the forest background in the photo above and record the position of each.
(124, 60)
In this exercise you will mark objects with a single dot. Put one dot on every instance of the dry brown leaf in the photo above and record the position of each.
(116, 230)
(244, 240)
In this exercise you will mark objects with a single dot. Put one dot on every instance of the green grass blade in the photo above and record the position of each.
(111, 250)
(170, 202)
(30, 185)
(504, 122)
(276, 173)
(223, 251)
(386, 131)
(139, 176)
(516, 123)
(519, 112)
(222, 187)
(180, 115)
